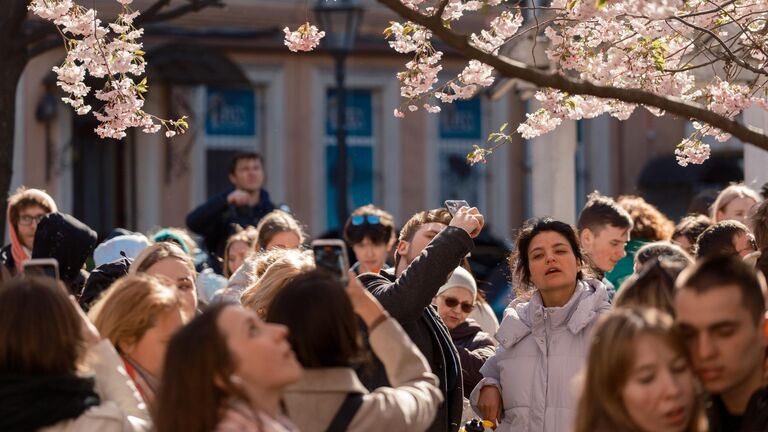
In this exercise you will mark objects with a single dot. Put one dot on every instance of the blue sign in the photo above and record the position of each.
(230, 112)
(359, 113)
(461, 119)
(360, 177)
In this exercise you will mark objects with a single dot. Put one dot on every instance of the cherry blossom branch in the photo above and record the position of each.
(515, 69)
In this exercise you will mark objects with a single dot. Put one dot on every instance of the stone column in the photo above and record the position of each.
(755, 158)
(554, 173)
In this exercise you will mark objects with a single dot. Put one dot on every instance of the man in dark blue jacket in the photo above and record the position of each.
(243, 205)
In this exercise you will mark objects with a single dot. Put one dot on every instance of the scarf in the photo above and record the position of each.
(28, 403)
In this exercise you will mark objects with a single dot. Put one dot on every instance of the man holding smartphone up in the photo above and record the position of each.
(431, 245)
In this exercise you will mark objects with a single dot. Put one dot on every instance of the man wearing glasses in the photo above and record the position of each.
(26, 208)
(370, 231)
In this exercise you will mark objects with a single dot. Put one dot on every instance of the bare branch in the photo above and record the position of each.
(515, 69)
(151, 11)
(193, 6)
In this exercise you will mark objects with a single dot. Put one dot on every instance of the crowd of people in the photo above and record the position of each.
(624, 322)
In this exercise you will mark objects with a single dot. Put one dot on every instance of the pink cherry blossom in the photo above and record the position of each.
(305, 38)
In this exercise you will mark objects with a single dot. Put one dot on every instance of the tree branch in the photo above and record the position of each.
(151, 11)
(193, 6)
(515, 69)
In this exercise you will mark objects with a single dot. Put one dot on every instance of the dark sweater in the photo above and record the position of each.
(755, 418)
(408, 299)
(475, 347)
(215, 219)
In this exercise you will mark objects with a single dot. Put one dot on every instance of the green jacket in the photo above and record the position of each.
(626, 266)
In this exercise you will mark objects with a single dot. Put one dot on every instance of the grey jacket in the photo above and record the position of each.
(408, 299)
(542, 350)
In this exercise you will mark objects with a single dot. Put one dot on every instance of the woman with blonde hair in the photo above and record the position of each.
(734, 202)
(169, 263)
(139, 315)
(239, 247)
(288, 264)
(638, 377)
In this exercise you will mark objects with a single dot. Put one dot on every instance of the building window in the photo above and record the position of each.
(460, 127)
(361, 142)
(234, 120)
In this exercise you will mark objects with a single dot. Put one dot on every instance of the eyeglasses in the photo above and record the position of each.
(27, 219)
(452, 302)
(361, 219)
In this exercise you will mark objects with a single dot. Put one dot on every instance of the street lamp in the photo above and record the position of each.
(340, 20)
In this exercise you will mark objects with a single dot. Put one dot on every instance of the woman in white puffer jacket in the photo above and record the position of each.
(544, 337)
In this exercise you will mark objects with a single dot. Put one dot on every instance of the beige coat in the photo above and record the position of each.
(410, 405)
(121, 408)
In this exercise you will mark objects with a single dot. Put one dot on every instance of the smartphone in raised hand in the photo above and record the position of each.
(453, 206)
(46, 267)
(331, 255)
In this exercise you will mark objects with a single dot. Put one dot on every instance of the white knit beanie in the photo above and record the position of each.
(460, 279)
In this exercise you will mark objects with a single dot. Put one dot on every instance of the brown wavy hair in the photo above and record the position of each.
(648, 222)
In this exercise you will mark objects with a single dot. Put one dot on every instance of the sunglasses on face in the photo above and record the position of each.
(452, 302)
(361, 219)
(27, 219)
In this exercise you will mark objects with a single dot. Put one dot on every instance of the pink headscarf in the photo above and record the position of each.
(17, 250)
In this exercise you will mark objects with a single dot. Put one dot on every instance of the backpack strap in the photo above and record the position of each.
(346, 413)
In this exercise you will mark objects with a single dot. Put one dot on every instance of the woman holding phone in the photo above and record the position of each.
(321, 316)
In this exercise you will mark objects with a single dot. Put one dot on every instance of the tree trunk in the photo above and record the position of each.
(10, 74)
(13, 57)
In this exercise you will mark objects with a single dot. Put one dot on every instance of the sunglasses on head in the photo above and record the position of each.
(361, 219)
(452, 302)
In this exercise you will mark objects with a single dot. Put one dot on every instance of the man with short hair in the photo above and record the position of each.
(728, 237)
(245, 204)
(26, 208)
(603, 229)
(370, 231)
(720, 307)
(431, 245)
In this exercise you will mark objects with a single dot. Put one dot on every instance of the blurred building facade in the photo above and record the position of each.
(228, 70)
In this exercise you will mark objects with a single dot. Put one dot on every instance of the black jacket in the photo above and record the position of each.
(7, 259)
(755, 418)
(215, 219)
(102, 278)
(408, 299)
(70, 242)
(475, 347)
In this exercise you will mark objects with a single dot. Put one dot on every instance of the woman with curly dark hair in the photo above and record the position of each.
(649, 225)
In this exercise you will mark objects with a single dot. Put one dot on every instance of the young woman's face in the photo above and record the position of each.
(551, 261)
(236, 255)
(659, 394)
(284, 240)
(261, 351)
(737, 209)
(176, 272)
(370, 255)
(149, 351)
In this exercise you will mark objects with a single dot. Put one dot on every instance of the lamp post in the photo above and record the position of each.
(340, 20)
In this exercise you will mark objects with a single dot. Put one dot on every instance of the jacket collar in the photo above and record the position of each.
(328, 380)
(589, 298)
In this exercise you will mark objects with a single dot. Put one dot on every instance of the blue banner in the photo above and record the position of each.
(230, 112)
(360, 177)
(359, 113)
(461, 119)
